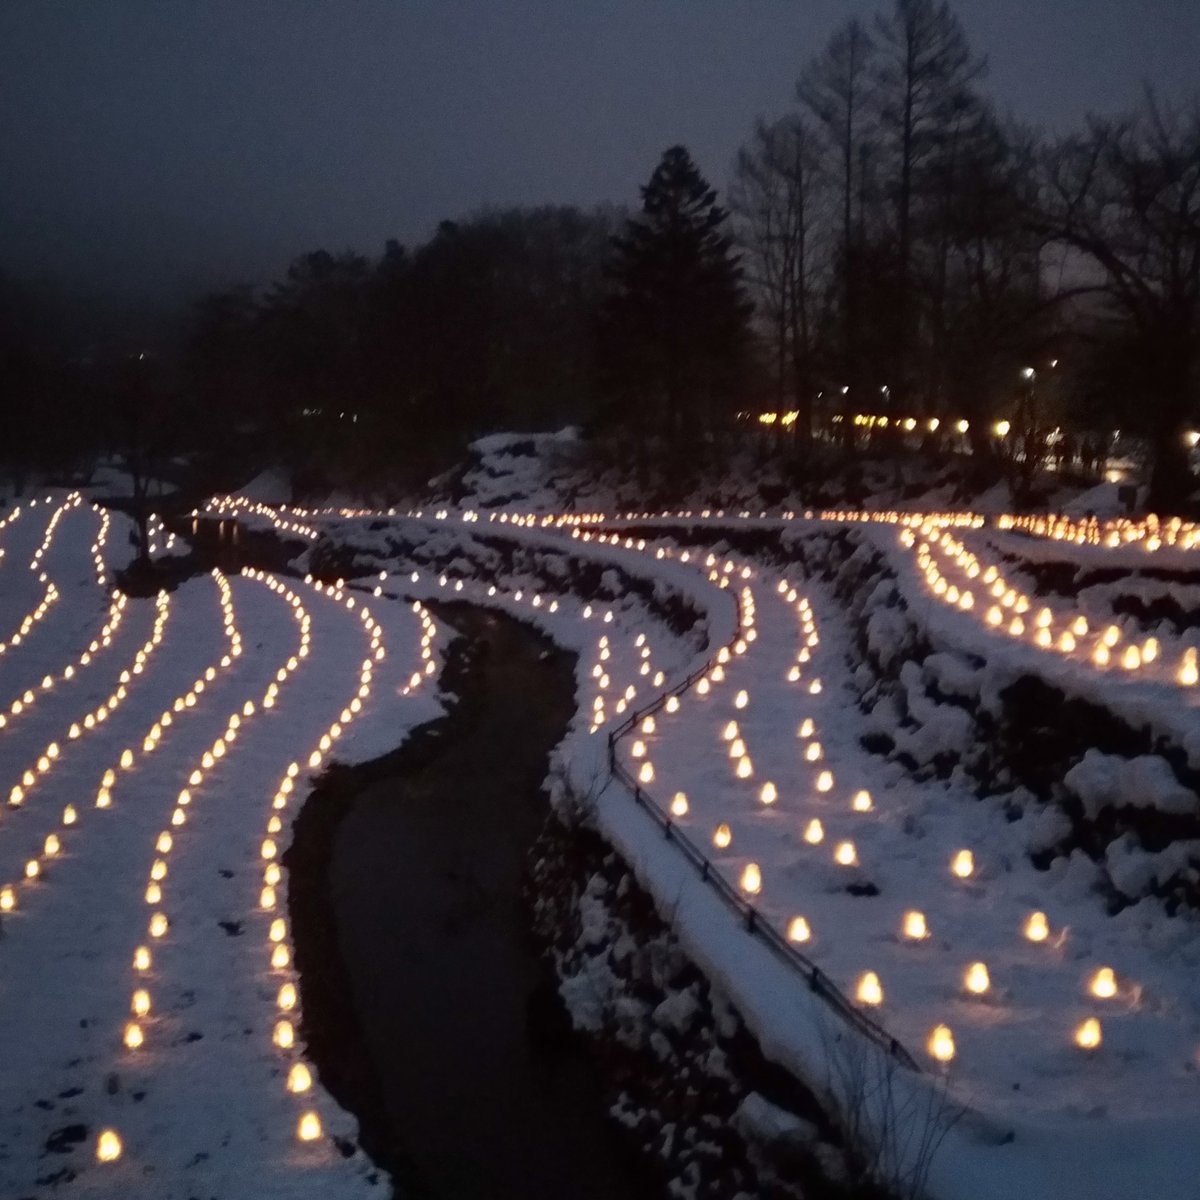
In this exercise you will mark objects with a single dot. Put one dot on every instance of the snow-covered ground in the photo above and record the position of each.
(850, 855)
(915, 897)
(138, 867)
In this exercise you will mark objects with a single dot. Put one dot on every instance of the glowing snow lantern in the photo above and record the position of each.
(32, 869)
(108, 1146)
(722, 836)
(861, 802)
(309, 1128)
(824, 781)
(941, 1044)
(741, 699)
(798, 930)
(845, 855)
(1088, 1035)
(976, 980)
(133, 1035)
(768, 794)
(963, 864)
(140, 1004)
(869, 990)
(278, 930)
(284, 1035)
(915, 927)
(679, 804)
(280, 957)
(1103, 984)
(8, 899)
(1037, 928)
(745, 767)
(141, 959)
(299, 1079)
(287, 997)
(646, 774)
(751, 880)
(814, 832)
(158, 925)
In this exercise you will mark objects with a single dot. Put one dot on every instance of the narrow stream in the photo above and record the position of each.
(429, 1017)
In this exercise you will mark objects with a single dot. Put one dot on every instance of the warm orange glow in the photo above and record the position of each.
(869, 990)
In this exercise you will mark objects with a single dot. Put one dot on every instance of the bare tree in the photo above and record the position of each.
(1125, 195)
(836, 89)
(924, 75)
(778, 198)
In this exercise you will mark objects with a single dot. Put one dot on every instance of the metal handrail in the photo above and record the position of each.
(755, 925)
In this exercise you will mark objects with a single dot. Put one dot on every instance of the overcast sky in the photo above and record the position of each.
(154, 145)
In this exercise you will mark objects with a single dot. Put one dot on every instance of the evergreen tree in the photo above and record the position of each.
(675, 327)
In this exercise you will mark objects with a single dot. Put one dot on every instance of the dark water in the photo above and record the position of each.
(426, 870)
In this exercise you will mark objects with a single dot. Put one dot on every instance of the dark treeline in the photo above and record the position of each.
(895, 245)
(914, 252)
(372, 370)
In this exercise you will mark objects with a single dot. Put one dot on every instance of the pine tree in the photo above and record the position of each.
(675, 329)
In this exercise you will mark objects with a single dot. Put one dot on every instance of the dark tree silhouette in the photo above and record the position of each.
(924, 76)
(675, 331)
(1125, 196)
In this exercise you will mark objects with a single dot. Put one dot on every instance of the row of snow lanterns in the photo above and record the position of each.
(108, 1146)
(36, 773)
(50, 754)
(1152, 532)
(50, 593)
(976, 981)
(12, 517)
(28, 698)
(1133, 658)
(70, 816)
(97, 548)
(283, 1033)
(238, 505)
(157, 528)
(600, 673)
(869, 990)
(715, 674)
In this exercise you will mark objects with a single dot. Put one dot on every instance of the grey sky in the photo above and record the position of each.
(154, 144)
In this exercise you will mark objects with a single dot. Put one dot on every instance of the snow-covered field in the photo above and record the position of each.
(1058, 1041)
(1056, 1034)
(146, 991)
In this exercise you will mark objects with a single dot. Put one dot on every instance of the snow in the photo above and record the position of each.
(201, 1106)
(1040, 1111)
(267, 487)
(1024, 1110)
(1107, 781)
